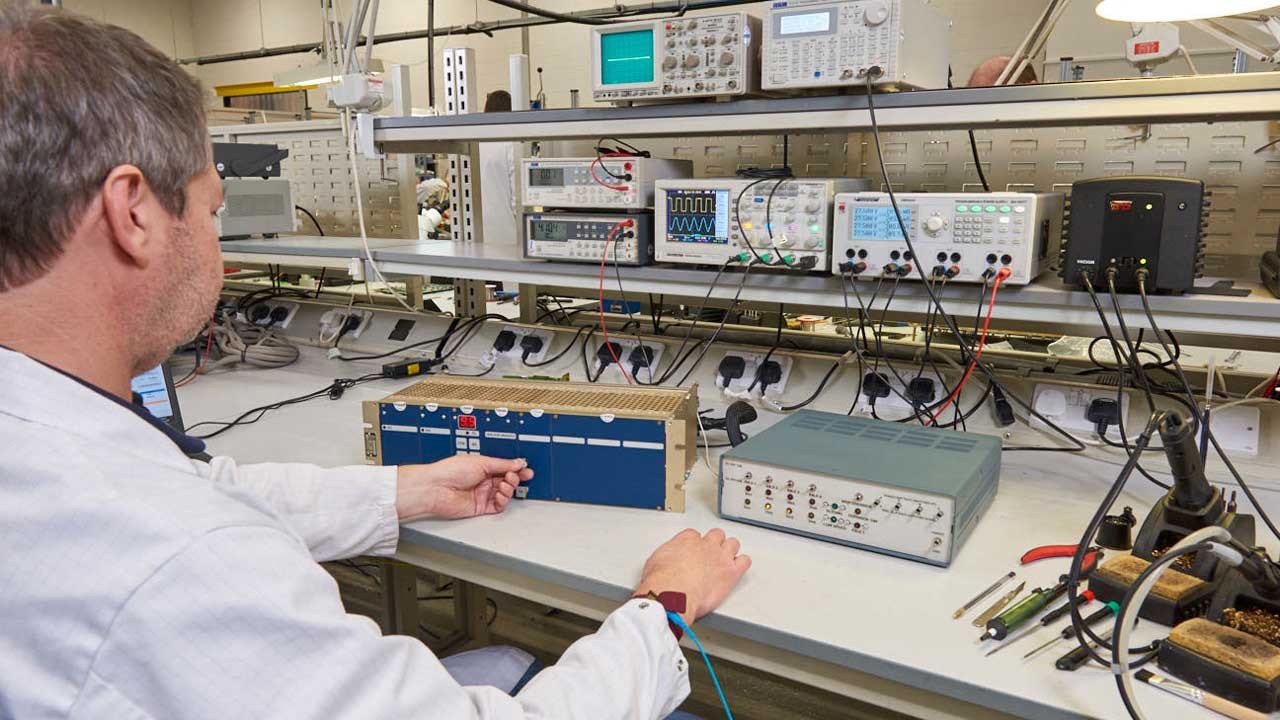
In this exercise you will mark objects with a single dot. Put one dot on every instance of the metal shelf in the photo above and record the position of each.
(1046, 303)
(1204, 98)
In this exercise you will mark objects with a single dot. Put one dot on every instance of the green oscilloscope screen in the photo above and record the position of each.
(626, 57)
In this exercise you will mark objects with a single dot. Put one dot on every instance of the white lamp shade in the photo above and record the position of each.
(1176, 10)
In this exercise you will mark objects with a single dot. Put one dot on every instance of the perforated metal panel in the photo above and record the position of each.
(1245, 184)
(319, 173)
(548, 396)
(826, 155)
(464, 192)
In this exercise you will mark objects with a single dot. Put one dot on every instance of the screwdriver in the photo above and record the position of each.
(999, 627)
(1052, 616)
(1069, 631)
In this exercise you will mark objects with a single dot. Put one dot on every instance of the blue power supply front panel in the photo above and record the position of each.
(597, 458)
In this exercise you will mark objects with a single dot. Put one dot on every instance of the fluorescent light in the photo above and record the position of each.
(319, 74)
(1176, 10)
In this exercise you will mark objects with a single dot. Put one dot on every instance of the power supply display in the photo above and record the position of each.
(676, 58)
(835, 43)
(582, 237)
(964, 237)
(707, 221)
(599, 444)
(611, 183)
(912, 492)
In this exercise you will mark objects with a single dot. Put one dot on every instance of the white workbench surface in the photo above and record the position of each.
(865, 617)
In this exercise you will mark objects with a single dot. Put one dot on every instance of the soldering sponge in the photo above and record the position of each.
(1230, 647)
(1125, 569)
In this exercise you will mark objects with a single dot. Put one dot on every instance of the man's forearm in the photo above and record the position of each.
(338, 512)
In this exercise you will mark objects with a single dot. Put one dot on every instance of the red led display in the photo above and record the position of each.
(467, 422)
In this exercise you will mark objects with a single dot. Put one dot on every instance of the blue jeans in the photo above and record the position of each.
(506, 668)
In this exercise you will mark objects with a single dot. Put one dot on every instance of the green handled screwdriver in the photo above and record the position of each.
(1069, 631)
(1049, 618)
(999, 627)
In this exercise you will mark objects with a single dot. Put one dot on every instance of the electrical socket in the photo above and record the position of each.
(1237, 429)
(516, 352)
(271, 313)
(614, 374)
(894, 401)
(332, 321)
(738, 386)
(1067, 407)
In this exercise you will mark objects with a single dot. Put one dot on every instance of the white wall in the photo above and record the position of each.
(233, 25)
(1100, 45)
(164, 23)
(981, 29)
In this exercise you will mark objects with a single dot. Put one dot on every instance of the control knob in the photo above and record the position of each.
(876, 13)
(811, 206)
(935, 224)
(669, 63)
(671, 43)
(810, 241)
(691, 62)
(708, 40)
(726, 58)
(727, 39)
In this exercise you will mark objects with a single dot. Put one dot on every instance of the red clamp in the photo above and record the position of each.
(1063, 551)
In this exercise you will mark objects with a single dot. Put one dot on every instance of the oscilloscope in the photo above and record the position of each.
(708, 221)
(676, 58)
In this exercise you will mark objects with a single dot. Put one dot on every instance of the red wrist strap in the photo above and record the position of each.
(671, 601)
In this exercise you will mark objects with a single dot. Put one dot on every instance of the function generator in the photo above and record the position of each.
(610, 183)
(835, 43)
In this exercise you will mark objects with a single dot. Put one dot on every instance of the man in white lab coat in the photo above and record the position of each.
(138, 583)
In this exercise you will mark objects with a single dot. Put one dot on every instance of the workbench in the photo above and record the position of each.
(864, 625)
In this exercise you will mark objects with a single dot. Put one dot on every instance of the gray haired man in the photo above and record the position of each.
(136, 582)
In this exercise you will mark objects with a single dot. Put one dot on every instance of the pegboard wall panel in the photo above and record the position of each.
(319, 172)
(825, 155)
(1244, 182)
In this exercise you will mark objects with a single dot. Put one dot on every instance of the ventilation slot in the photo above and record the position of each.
(550, 396)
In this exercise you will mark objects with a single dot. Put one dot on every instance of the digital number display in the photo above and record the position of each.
(546, 177)
(806, 23)
(698, 216)
(879, 224)
(466, 422)
(548, 230)
(626, 57)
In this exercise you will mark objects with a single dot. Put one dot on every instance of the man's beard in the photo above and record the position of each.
(183, 306)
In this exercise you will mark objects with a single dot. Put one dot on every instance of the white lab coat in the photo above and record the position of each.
(136, 583)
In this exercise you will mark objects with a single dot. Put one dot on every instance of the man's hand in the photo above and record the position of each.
(703, 567)
(462, 486)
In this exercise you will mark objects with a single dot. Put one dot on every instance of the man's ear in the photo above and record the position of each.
(133, 214)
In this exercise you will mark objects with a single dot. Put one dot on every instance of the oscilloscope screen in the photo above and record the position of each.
(698, 216)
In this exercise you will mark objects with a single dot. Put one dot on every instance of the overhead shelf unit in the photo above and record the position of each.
(1205, 98)
(1047, 302)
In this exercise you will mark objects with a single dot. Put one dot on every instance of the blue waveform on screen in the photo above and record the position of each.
(692, 225)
